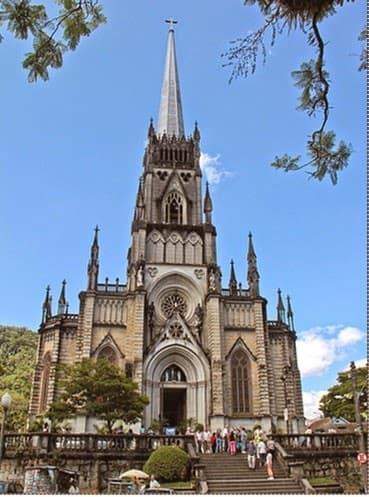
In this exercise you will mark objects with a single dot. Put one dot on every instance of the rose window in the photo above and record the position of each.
(176, 330)
(173, 304)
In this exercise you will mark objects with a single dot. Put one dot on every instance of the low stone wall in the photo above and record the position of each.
(344, 468)
(94, 471)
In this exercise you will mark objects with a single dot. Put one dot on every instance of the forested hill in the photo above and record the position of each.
(17, 359)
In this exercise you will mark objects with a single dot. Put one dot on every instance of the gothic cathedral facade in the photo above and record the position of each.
(196, 349)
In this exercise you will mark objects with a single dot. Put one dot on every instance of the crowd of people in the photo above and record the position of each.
(258, 447)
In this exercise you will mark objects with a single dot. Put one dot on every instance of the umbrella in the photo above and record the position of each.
(134, 473)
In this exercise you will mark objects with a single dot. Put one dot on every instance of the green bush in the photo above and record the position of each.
(168, 464)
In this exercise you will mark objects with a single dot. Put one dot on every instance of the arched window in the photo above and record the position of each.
(108, 354)
(45, 377)
(240, 382)
(174, 209)
(173, 373)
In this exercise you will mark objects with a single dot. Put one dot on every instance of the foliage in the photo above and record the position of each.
(339, 401)
(312, 77)
(17, 358)
(167, 463)
(52, 35)
(99, 389)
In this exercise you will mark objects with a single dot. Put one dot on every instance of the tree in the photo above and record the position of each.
(324, 156)
(99, 389)
(52, 34)
(339, 401)
(17, 358)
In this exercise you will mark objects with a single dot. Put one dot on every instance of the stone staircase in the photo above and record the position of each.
(228, 474)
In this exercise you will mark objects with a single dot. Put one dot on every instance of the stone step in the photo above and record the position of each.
(249, 486)
(228, 474)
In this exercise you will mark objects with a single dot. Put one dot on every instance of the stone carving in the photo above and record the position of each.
(212, 281)
(153, 271)
(199, 273)
(172, 304)
(150, 314)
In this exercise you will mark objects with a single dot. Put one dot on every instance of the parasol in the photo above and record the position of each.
(134, 473)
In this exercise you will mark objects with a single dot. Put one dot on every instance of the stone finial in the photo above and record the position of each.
(290, 318)
(93, 265)
(46, 306)
(281, 315)
(62, 302)
(232, 280)
(208, 205)
(252, 270)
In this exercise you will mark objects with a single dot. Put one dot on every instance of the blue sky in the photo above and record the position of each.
(72, 153)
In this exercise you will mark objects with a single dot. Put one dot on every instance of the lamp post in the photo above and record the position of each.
(285, 411)
(356, 397)
(6, 401)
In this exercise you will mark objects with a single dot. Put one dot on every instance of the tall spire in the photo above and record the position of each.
(232, 281)
(252, 270)
(281, 315)
(93, 265)
(170, 114)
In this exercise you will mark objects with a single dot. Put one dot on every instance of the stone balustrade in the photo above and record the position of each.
(318, 441)
(33, 443)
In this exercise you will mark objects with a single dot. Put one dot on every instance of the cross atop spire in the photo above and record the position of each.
(171, 22)
(170, 114)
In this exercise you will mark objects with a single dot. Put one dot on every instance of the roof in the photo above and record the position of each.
(170, 114)
(340, 425)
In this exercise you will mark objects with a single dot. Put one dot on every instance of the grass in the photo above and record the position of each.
(177, 484)
(322, 480)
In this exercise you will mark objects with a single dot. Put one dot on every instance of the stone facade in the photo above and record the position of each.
(197, 349)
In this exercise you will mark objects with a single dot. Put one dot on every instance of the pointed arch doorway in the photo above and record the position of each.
(173, 396)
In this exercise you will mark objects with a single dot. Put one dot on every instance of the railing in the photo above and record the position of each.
(319, 441)
(111, 287)
(15, 443)
(226, 292)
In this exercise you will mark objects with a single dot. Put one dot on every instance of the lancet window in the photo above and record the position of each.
(174, 209)
(240, 382)
(45, 382)
(107, 353)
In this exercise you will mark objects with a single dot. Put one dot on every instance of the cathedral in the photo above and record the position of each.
(198, 349)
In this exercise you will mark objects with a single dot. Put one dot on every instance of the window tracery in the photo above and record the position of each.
(174, 209)
(240, 382)
(172, 304)
(173, 373)
(108, 353)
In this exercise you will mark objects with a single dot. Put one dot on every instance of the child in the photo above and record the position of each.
(269, 465)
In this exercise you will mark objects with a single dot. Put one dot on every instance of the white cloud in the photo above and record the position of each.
(211, 167)
(349, 335)
(311, 403)
(319, 347)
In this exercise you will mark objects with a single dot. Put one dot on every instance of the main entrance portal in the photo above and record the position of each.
(173, 405)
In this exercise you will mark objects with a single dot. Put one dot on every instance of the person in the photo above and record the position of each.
(213, 442)
(232, 443)
(46, 427)
(270, 445)
(219, 441)
(269, 465)
(130, 439)
(251, 455)
(73, 488)
(153, 482)
(134, 487)
(261, 452)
